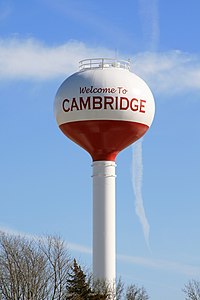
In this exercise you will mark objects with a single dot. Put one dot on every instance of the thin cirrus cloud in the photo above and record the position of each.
(166, 72)
(5, 10)
(157, 264)
(163, 265)
(137, 173)
(149, 15)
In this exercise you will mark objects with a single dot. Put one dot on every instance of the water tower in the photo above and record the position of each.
(104, 108)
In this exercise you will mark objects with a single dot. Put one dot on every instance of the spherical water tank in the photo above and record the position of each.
(104, 107)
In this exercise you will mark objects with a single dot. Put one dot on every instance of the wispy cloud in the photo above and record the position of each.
(164, 265)
(169, 72)
(137, 173)
(150, 23)
(82, 13)
(5, 10)
(30, 59)
(79, 248)
(71, 246)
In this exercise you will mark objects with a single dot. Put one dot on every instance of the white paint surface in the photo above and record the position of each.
(104, 248)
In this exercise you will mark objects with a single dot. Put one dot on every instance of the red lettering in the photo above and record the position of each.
(108, 101)
(86, 104)
(65, 105)
(116, 102)
(133, 106)
(97, 102)
(119, 89)
(74, 105)
(82, 90)
(123, 101)
(142, 106)
(89, 90)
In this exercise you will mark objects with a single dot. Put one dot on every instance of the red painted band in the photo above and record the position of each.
(104, 139)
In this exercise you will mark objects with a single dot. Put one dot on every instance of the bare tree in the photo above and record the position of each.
(192, 290)
(135, 293)
(58, 267)
(32, 270)
(103, 290)
(119, 289)
(22, 269)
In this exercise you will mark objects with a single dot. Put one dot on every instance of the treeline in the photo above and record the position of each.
(42, 269)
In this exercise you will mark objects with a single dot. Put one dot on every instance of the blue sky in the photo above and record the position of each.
(46, 185)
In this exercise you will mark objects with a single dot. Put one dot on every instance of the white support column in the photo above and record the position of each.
(104, 245)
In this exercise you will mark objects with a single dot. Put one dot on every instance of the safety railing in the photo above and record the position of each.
(101, 63)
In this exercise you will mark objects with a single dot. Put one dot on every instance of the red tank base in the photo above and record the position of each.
(104, 139)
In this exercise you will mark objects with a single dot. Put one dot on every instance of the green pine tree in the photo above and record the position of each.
(78, 287)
